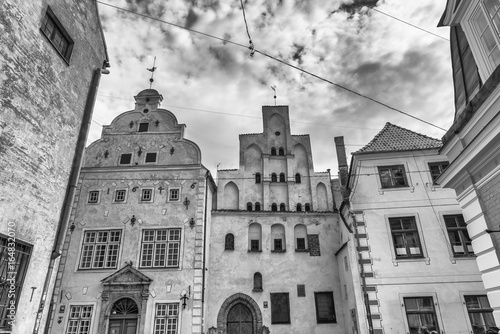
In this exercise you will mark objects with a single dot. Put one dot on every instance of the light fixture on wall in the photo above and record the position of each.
(72, 227)
(133, 220)
(191, 223)
(139, 153)
(186, 203)
(106, 154)
(172, 150)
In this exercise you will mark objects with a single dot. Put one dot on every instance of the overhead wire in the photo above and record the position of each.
(280, 61)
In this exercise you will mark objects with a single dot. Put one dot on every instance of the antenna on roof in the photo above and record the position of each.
(152, 70)
(274, 89)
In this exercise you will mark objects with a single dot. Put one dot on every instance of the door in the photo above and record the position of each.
(239, 320)
(122, 326)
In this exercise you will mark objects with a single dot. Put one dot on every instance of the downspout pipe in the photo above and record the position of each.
(207, 189)
(70, 193)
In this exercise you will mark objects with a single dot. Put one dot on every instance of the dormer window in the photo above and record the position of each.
(143, 127)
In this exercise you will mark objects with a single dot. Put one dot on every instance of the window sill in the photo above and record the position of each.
(257, 290)
(381, 191)
(229, 249)
(307, 250)
(396, 261)
(254, 251)
(278, 251)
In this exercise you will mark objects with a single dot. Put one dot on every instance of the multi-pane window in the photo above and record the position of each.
(437, 168)
(300, 234)
(173, 195)
(150, 157)
(301, 243)
(14, 261)
(160, 248)
(120, 195)
(93, 196)
(143, 127)
(278, 238)
(254, 237)
(80, 317)
(325, 309)
(405, 237)
(392, 176)
(486, 24)
(461, 244)
(254, 245)
(280, 308)
(420, 312)
(125, 159)
(57, 35)
(278, 244)
(480, 313)
(166, 318)
(100, 249)
(146, 195)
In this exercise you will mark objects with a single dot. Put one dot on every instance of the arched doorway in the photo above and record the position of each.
(239, 320)
(123, 317)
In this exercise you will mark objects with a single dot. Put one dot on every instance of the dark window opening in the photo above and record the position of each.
(93, 196)
(299, 207)
(257, 282)
(278, 244)
(280, 308)
(146, 195)
(325, 309)
(301, 243)
(282, 207)
(420, 312)
(150, 157)
(297, 178)
(282, 177)
(273, 151)
(120, 195)
(301, 290)
(257, 206)
(274, 177)
(254, 245)
(143, 127)
(274, 207)
(229, 242)
(480, 313)
(307, 207)
(125, 159)
(405, 237)
(249, 206)
(57, 35)
(281, 151)
(393, 176)
(257, 178)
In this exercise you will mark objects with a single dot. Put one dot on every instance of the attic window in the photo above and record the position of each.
(57, 35)
(143, 127)
(150, 157)
(125, 159)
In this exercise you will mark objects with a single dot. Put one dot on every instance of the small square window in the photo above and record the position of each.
(301, 290)
(393, 176)
(143, 127)
(93, 196)
(146, 195)
(437, 168)
(120, 195)
(173, 195)
(150, 157)
(301, 243)
(57, 35)
(278, 244)
(125, 159)
(254, 245)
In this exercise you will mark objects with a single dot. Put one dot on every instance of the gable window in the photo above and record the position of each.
(437, 168)
(325, 309)
(93, 196)
(392, 176)
(480, 313)
(274, 177)
(278, 238)
(484, 23)
(420, 312)
(174, 195)
(282, 207)
(100, 249)
(281, 151)
(273, 150)
(299, 207)
(146, 195)
(120, 195)
(297, 178)
(166, 318)
(143, 127)
(14, 261)
(405, 237)
(57, 35)
(282, 177)
(257, 206)
(160, 248)
(257, 178)
(257, 282)
(125, 159)
(249, 206)
(280, 308)
(229, 242)
(254, 237)
(307, 207)
(150, 157)
(80, 318)
(461, 244)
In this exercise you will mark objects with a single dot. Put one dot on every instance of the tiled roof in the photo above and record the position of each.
(396, 138)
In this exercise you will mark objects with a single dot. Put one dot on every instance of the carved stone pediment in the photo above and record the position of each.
(127, 276)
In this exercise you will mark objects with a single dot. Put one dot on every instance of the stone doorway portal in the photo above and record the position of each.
(239, 320)
(123, 317)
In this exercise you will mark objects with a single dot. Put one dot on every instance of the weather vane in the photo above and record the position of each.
(152, 70)
(274, 89)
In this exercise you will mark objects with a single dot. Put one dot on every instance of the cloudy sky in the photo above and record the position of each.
(217, 89)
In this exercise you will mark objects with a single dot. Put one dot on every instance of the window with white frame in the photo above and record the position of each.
(94, 196)
(166, 318)
(160, 248)
(405, 237)
(420, 312)
(437, 168)
(461, 243)
(120, 195)
(80, 318)
(100, 249)
(480, 313)
(392, 176)
(174, 194)
(485, 23)
(146, 195)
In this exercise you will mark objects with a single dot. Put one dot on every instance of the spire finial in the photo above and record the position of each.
(274, 89)
(152, 70)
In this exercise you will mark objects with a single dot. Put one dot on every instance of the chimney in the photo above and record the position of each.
(342, 160)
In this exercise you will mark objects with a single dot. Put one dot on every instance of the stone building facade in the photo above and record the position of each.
(133, 257)
(407, 240)
(272, 264)
(51, 55)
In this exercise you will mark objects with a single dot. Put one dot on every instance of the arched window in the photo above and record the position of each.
(300, 234)
(282, 177)
(257, 178)
(254, 237)
(229, 243)
(281, 151)
(257, 206)
(278, 238)
(257, 282)
(307, 207)
(282, 207)
(273, 150)
(249, 206)
(299, 207)
(274, 207)
(297, 178)
(274, 177)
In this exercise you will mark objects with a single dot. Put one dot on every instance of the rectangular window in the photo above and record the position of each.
(143, 127)
(301, 243)
(173, 195)
(125, 159)
(480, 313)
(166, 318)
(120, 195)
(150, 157)
(461, 244)
(485, 23)
(280, 308)
(100, 249)
(80, 317)
(278, 244)
(420, 312)
(437, 168)
(160, 248)
(325, 309)
(146, 195)
(405, 237)
(15, 270)
(393, 176)
(254, 245)
(57, 35)
(301, 290)
(93, 196)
